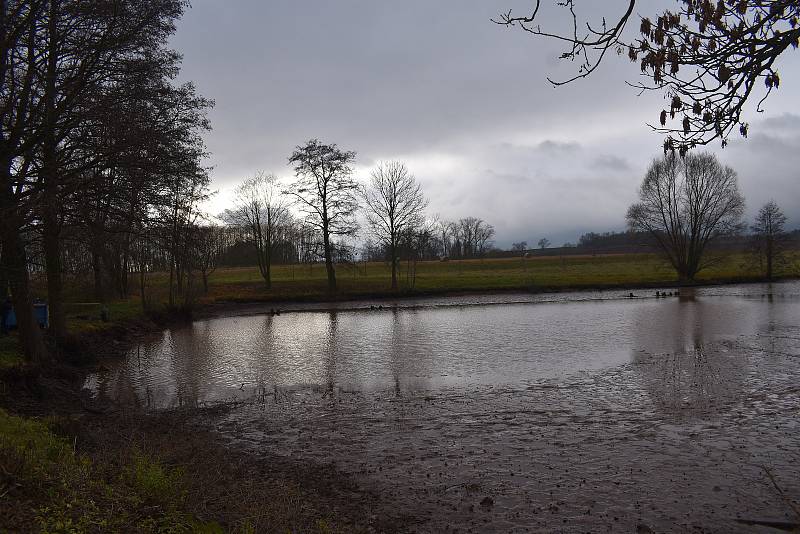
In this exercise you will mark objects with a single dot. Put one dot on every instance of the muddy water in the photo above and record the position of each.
(582, 413)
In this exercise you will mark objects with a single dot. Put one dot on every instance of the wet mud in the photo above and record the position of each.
(682, 442)
(663, 415)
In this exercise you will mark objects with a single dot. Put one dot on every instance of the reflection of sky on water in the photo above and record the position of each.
(430, 348)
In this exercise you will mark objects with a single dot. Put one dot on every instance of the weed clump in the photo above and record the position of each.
(47, 487)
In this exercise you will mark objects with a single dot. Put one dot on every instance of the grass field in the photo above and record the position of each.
(309, 283)
(531, 274)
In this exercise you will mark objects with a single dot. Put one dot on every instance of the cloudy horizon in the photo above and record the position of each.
(463, 102)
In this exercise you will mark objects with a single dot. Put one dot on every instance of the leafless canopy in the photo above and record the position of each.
(685, 203)
(260, 208)
(394, 205)
(473, 236)
(709, 58)
(326, 193)
(769, 239)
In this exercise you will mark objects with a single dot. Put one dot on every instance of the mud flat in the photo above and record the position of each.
(668, 443)
(612, 415)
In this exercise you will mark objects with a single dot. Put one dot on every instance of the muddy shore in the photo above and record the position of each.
(695, 442)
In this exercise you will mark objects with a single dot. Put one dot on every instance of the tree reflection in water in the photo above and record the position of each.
(699, 375)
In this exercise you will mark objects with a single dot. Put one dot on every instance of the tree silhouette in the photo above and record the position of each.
(685, 203)
(394, 206)
(709, 58)
(326, 193)
(769, 237)
(259, 208)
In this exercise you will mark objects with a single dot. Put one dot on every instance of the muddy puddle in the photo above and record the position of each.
(606, 414)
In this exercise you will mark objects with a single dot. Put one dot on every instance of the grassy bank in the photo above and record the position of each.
(129, 473)
(372, 280)
(159, 473)
(10, 352)
(70, 468)
(47, 486)
(65, 468)
(535, 274)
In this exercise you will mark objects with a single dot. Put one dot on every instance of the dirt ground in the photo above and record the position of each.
(703, 441)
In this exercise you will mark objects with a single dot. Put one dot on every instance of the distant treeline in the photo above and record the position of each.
(631, 242)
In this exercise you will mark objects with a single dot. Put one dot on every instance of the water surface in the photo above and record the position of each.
(430, 344)
(518, 413)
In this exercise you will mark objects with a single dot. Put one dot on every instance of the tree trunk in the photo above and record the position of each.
(52, 257)
(3, 277)
(686, 274)
(172, 281)
(268, 255)
(329, 260)
(142, 293)
(50, 171)
(268, 248)
(393, 259)
(123, 278)
(769, 258)
(97, 271)
(15, 265)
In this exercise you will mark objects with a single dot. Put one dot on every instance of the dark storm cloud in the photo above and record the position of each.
(462, 101)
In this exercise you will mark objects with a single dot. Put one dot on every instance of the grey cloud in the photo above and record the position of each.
(436, 84)
(782, 122)
(556, 147)
(611, 162)
(508, 178)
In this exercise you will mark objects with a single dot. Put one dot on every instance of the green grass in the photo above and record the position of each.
(48, 487)
(85, 317)
(10, 351)
(150, 480)
(304, 282)
(538, 273)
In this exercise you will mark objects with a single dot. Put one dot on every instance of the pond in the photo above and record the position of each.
(514, 412)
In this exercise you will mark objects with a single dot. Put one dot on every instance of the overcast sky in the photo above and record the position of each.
(463, 102)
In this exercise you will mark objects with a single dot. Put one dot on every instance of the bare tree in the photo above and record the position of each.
(445, 230)
(209, 245)
(326, 193)
(522, 247)
(709, 58)
(483, 238)
(63, 63)
(769, 237)
(416, 240)
(544, 243)
(472, 235)
(260, 209)
(685, 203)
(394, 204)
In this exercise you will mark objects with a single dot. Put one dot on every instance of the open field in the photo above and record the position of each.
(160, 485)
(372, 280)
(308, 282)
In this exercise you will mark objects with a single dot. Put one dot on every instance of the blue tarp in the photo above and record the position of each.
(40, 311)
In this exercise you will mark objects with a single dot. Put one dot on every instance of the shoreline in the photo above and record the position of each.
(360, 302)
(310, 493)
